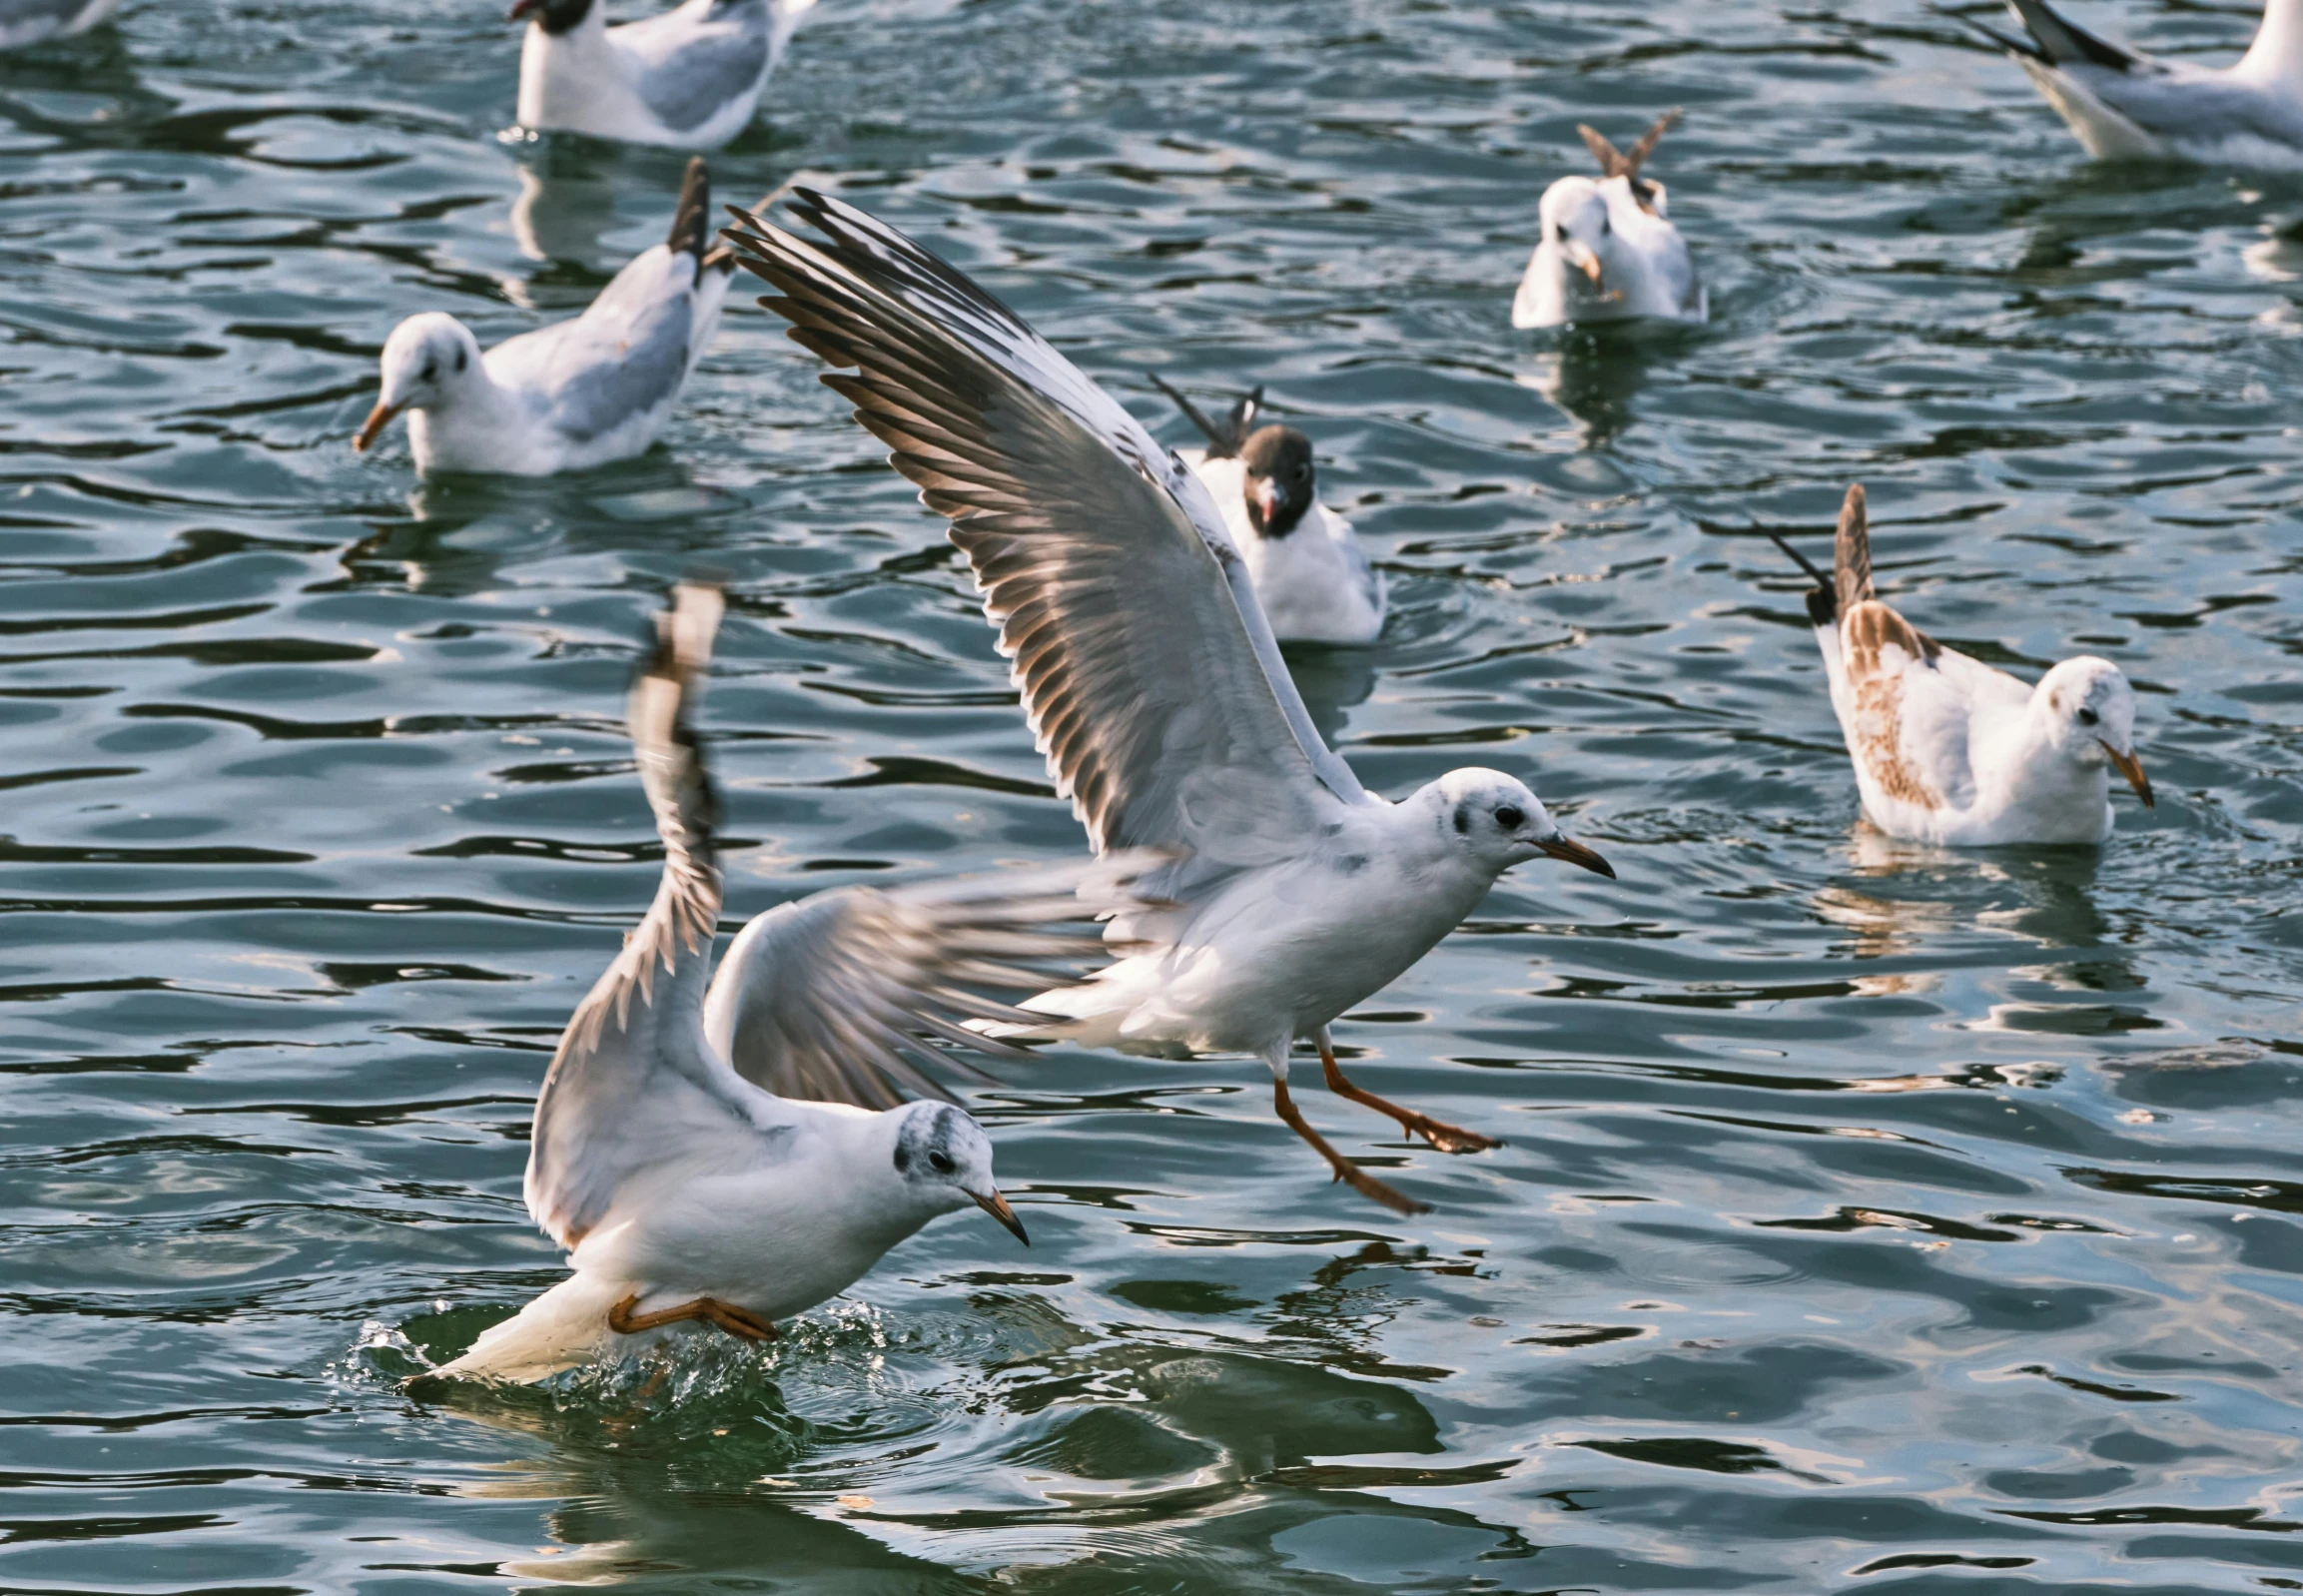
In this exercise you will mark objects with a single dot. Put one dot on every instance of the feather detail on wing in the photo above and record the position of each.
(839, 998)
(1146, 667)
(632, 1084)
(1880, 652)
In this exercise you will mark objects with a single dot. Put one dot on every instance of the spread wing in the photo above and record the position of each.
(634, 1086)
(1148, 671)
(836, 998)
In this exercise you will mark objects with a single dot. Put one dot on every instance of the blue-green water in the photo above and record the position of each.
(1872, 1220)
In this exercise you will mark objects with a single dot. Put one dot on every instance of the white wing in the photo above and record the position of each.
(1146, 667)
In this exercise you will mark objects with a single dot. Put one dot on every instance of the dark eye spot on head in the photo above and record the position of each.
(430, 370)
(459, 359)
(941, 1162)
(1559, 231)
(1509, 817)
(2087, 718)
(903, 1157)
(1463, 820)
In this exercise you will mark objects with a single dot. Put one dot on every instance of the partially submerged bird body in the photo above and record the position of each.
(24, 22)
(574, 395)
(2123, 104)
(1149, 677)
(1953, 751)
(671, 1153)
(1608, 251)
(689, 78)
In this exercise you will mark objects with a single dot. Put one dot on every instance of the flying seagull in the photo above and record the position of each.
(1151, 680)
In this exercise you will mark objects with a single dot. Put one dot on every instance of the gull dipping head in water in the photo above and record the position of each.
(571, 396)
(689, 78)
(1608, 251)
(1151, 680)
(1950, 750)
(1310, 574)
(730, 1150)
(2123, 104)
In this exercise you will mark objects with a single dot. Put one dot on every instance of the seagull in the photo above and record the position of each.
(24, 22)
(689, 78)
(1151, 682)
(573, 394)
(1950, 750)
(1608, 252)
(2123, 104)
(732, 1150)
(1310, 572)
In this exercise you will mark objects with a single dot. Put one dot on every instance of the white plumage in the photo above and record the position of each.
(689, 78)
(1608, 251)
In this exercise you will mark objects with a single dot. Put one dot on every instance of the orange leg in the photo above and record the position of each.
(1351, 1174)
(1447, 1137)
(738, 1324)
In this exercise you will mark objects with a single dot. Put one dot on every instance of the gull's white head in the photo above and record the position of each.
(1580, 240)
(1495, 819)
(943, 1161)
(2089, 713)
(428, 362)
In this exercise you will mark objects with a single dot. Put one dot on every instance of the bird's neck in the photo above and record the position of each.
(2046, 771)
(2276, 57)
(477, 399)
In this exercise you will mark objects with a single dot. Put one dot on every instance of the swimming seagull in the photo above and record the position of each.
(1608, 252)
(2124, 103)
(24, 22)
(671, 1153)
(573, 394)
(689, 78)
(1950, 750)
(1310, 574)
(1150, 681)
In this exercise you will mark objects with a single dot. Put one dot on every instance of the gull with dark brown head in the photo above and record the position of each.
(1151, 680)
(1950, 750)
(725, 1150)
(1608, 252)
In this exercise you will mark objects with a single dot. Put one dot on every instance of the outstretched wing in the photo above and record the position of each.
(1147, 671)
(837, 998)
(634, 1086)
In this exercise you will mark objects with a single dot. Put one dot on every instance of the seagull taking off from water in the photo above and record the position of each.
(689, 78)
(1950, 750)
(573, 394)
(1309, 571)
(672, 1153)
(1150, 681)
(1608, 251)
(2123, 104)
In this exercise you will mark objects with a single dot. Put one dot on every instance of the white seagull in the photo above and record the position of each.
(689, 78)
(1151, 680)
(2124, 103)
(1950, 750)
(1608, 251)
(573, 394)
(1310, 573)
(24, 22)
(670, 1154)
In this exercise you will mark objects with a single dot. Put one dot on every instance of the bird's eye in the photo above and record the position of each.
(2087, 718)
(941, 1162)
(1303, 473)
(430, 370)
(1509, 817)
(1559, 231)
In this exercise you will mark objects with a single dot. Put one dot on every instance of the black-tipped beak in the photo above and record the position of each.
(523, 9)
(377, 419)
(2130, 767)
(1575, 853)
(996, 1205)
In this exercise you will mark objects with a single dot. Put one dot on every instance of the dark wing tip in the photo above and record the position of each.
(691, 222)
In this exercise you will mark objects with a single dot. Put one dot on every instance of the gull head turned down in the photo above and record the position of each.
(1151, 682)
(1608, 251)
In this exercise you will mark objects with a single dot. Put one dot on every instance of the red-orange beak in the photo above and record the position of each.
(996, 1205)
(1575, 853)
(377, 419)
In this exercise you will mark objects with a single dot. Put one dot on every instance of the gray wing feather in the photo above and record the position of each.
(833, 999)
(1146, 667)
(625, 356)
(2194, 108)
(688, 85)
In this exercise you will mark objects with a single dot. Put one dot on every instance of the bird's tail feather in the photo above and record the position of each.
(691, 222)
(566, 1326)
(1851, 553)
(2067, 42)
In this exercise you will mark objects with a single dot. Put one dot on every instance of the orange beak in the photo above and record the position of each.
(377, 419)
(2130, 767)
(1575, 853)
(996, 1205)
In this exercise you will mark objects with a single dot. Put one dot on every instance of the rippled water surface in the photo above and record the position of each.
(1874, 1219)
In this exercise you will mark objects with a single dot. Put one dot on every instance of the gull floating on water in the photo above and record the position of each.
(672, 1153)
(1950, 750)
(1608, 251)
(24, 22)
(1309, 571)
(689, 78)
(2124, 103)
(573, 394)
(1150, 681)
